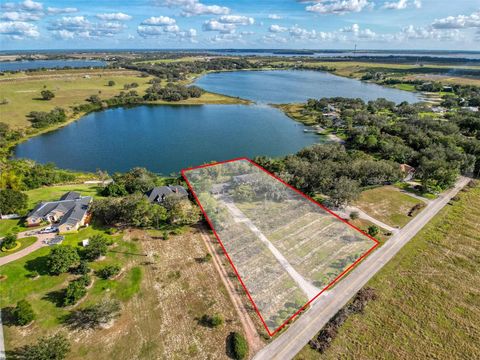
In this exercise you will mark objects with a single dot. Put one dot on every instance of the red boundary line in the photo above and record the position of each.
(231, 262)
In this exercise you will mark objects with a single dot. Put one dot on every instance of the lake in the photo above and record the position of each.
(166, 139)
(49, 64)
(283, 86)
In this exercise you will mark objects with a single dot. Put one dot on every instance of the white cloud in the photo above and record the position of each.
(30, 5)
(54, 10)
(159, 21)
(195, 7)
(19, 30)
(351, 29)
(69, 26)
(114, 16)
(458, 22)
(417, 3)
(20, 16)
(398, 5)
(215, 25)
(338, 6)
(428, 33)
(236, 19)
(298, 32)
(275, 17)
(277, 28)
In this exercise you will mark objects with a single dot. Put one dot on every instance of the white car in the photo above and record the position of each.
(48, 230)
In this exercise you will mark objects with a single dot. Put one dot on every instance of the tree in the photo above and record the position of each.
(111, 83)
(61, 259)
(55, 347)
(244, 192)
(344, 191)
(239, 346)
(97, 247)
(108, 271)
(181, 211)
(354, 215)
(47, 95)
(82, 268)
(23, 313)
(9, 241)
(95, 315)
(12, 201)
(114, 189)
(74, 292)
(372, 230)
(212, 321)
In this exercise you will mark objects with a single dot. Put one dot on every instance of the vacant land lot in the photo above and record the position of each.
(428, 298)
(389, 205)
(285, 248)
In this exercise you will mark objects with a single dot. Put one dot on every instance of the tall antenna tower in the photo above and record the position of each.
(355, 50)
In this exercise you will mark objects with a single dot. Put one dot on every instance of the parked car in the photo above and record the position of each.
(48, 230)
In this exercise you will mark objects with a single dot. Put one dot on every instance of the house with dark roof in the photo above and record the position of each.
(67, 214)
(158, 194)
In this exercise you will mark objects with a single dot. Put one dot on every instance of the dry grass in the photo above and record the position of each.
(387, 204)
(428, 296)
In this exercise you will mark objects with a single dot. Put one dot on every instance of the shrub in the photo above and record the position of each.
(47, 95)
(23, 313)
(372, 230)
(239, 346)
(82, 268)
(9, 241)
(61, 259)
(97, 247)
(212, 321)
(354, 215)
(55, 347)
(74, 292)
(111, 83)
(109, 271)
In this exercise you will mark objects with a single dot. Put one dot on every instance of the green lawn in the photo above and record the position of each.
(387, 204)
(428, 298)
(24, 242)
(10, 226)
(51, 193)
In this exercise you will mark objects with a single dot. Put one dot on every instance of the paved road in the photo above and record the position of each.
(289, 343)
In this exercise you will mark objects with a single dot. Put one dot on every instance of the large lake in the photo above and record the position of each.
(49, 64)
(166, 139)
(296, 86)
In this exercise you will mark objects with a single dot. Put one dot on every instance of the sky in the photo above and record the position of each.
(276, 24)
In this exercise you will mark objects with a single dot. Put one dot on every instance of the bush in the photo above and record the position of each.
(61, 259)
(55, 347)
(239, 346)
(212, 321)
(372, 230)
(47, 95)
(97, 247)
(9, 241)
(109, 271)
(354, 215)
(82, 268)
(74, 292)
(111, 83)
(23, 313)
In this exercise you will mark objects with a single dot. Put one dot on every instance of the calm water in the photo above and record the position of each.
(166, 139)
(49, 64)
(296, 86)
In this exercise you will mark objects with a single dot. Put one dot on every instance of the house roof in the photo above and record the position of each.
(157, 194)
(71, 206)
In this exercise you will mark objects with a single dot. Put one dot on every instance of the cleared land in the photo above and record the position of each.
(428, 298)
(389, 205)
(285, 248)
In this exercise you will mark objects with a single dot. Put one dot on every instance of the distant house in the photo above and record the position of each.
(218, 189)
(67, 214)
(158, 194)
(408, 171)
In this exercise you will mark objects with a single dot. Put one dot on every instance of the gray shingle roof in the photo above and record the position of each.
(158, 194)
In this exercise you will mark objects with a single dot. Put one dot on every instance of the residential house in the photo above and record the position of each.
(67, 214)
(158, 194)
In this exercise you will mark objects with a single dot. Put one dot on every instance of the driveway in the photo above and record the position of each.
(24, 252)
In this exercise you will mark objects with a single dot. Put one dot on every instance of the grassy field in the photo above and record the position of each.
(164, 290)
(387, 204)
(72, 88)
(51, 193)
(8, 226)
(428, 300)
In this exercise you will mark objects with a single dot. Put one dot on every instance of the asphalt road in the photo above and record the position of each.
(290, 342)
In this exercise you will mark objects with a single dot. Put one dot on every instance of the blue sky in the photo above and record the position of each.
(315, 24)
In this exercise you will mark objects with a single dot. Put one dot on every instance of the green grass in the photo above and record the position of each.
(24, 242)
(52, 193)
(405, 87)
(387, 204)
(428, 298)
(10, 226)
